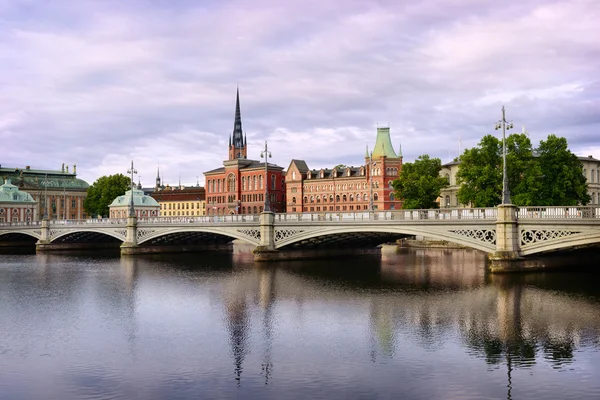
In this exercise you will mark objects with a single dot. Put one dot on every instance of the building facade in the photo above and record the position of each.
(347, 188)
(15, 205)
(180, 201)
(449, 195)
(58, 193)
(240, 185)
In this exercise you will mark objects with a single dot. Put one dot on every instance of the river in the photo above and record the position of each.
(409, 324)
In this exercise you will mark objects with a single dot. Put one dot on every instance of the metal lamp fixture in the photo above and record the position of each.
(504, 125)
(266, 154)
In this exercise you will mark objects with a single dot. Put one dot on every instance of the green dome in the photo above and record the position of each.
(383, 144)
(139, 199)
(10, 193)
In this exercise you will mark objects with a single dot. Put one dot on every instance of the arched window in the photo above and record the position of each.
(312, 199)
(390, 185)
(260, 182)
(447, 201)
(293, 200)
(337, 198)
(344, 198)
(592, 176)
(293, 175)
(375, 197)
(272, 182)
(392, 197)
(305, 199)
(260, 209)
(585, 173)
(254, 182)
(231, 183)
(331, 198)
(351, 198)
(243, 183)
(255, 210)
(243, 210)
(358, 197)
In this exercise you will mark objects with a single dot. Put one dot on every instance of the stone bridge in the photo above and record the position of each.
(506, 232)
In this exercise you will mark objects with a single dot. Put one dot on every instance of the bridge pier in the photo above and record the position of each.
(507, 256)
(44, 242)
(265, 251)
(130, 245)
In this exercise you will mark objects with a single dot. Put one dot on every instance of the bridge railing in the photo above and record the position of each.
(234, 218)
(30, 223)
(574, 212)
(395, 215)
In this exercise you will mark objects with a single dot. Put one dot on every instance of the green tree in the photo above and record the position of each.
(562, 180)
(419, 183)
(480, 174)
(102, 192)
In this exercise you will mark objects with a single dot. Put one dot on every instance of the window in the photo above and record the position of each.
(447, 201)
(73, 203)
(375, 197)
(293, 175)
(392, 197)
(231, 183)
(273, 182)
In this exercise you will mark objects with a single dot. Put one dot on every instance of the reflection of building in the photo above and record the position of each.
(238, 186)
(60, 193)
(15, 205)
(347, 188)
(144, 206)
(449, 195)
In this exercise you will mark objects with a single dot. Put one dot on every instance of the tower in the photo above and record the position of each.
(157, 178)
(237, 141)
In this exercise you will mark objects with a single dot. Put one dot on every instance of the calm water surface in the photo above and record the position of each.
(420, 324)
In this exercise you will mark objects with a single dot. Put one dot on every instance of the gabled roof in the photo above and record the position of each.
(301, 165)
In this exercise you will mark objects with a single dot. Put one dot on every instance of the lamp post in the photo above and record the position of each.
(45, 216)
(371, 181)
(504, 125)
(131, 171)
(266, 154)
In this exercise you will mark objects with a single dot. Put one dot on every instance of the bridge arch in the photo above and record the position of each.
(28, 233)
(250, 236)
(62, 234)
(562, 244)
(483, 243)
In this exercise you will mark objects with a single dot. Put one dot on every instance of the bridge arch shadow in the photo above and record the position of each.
(193, 236)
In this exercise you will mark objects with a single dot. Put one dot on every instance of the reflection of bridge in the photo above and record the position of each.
(507, 231)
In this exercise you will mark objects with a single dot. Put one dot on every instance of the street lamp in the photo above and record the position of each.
(266, 154)
(131, 208)
(45, 216)
(504, 125)
(371, 181)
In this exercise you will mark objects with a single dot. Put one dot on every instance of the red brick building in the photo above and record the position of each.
(348, 188)
(239, 186)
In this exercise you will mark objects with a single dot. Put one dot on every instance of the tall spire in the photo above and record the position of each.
(238, 137)
(157, 177)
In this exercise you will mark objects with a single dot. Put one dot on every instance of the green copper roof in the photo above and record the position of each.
(37, 178)
(383, 144)
(139, 199)
(10, 193)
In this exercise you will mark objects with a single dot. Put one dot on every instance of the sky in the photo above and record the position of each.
(101, 83)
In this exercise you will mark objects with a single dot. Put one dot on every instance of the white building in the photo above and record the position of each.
(144, 206)
(15, 205)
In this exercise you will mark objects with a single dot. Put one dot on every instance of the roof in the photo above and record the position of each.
(10, 193)
(341, 172)
(249, 165)
(139, 199)
(196, 193)
(588, 158)
(383, 144)
(39, 178)
(301, 165)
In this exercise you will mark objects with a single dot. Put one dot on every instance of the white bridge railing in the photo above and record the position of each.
(431, 215)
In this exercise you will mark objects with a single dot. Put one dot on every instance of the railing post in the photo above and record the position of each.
(44, 240)
(130, 243)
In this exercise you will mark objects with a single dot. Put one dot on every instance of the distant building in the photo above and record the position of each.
(449, 195)
(180, 201)
(15, 205)
(347, 188)
(59, 193)
(239, 186)
(143, 205)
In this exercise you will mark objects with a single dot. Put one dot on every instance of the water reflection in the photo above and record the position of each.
(219, 325)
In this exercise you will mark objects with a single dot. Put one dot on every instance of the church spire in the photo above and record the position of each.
(157, 178)
(237, 141)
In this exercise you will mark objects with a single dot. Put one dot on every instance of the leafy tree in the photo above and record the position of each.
(548, 175)
(340, 166)
(480, 174)
(419, 183)
(562, 180)
(102, 192)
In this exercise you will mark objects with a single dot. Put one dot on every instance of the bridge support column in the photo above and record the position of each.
(130, 245)
(44, 241)
(508, 241)
(266, 250)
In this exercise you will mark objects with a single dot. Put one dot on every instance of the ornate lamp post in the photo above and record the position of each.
(45, 216)
(504, 125)
(131, 171)
(266, 154)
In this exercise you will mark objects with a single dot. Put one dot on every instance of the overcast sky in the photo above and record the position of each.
(99, 83)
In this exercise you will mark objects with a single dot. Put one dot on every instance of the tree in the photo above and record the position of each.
(480, 174)
(548, 175)
(102, 192)
(562, 180)
(419, 183)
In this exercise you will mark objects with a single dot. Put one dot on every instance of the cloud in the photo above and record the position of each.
(100, 84)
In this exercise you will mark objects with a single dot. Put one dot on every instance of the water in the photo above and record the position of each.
(421, 324)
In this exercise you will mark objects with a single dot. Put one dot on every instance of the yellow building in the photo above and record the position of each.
(181, 201)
